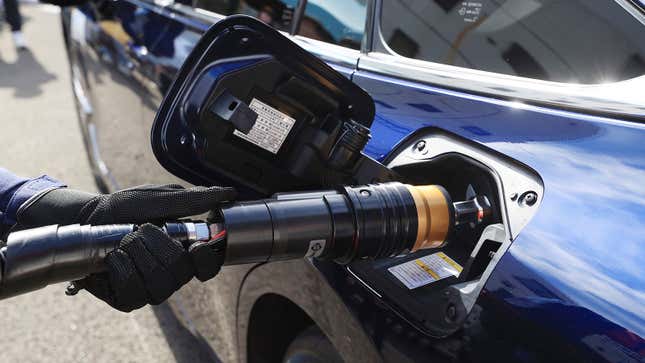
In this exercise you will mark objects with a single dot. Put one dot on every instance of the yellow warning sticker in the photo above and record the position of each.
(425, 270)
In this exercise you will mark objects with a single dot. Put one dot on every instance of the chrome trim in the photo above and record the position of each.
(105, 173)
(202, 231)
(197, 13)
(85, 113)
(623, 98)
(632, 9)
(77, 88)
(328, 52)
(197, 231)
(370, 24)
(378, 41)
(207, 14)
(363, 282)
(191, 233)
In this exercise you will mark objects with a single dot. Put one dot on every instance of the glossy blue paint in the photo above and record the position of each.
(584, 248)
(565, 263)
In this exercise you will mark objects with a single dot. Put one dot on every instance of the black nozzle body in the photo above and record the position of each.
(35, 258)
(353, 222)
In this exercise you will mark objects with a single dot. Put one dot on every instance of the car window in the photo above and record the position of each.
(339, 22)
(277, 13)
(578, 41)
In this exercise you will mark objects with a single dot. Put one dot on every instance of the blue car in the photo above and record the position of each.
(539, 105)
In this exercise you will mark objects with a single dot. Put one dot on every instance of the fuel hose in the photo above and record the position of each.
(369, 221)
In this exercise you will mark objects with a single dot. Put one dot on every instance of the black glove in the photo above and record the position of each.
(146, 203)
(148, 266)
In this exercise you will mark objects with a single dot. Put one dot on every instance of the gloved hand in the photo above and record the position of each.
(146, 203)
(148, 266)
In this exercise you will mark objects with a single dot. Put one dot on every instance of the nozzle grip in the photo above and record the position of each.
(35, 258)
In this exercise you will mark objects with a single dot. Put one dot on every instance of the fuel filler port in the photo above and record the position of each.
(435, 289)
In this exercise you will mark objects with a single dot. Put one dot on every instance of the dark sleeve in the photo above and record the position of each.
(15, 191)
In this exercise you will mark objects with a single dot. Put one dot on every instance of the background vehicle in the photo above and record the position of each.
(570, 287)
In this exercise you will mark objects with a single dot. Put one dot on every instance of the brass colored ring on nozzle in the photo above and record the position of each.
(433, 215)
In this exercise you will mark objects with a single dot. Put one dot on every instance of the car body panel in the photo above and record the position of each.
(570, 286)
(584, 246)
(303, 283)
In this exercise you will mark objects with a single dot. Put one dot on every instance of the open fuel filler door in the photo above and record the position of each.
(252, 109)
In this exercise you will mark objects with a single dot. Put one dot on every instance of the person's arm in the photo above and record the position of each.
(15, 191)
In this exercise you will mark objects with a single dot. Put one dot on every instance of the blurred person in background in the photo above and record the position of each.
(12, 14)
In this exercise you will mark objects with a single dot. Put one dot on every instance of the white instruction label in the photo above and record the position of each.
(424, 270)
(270, 129)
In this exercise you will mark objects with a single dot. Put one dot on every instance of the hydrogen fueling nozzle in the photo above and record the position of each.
(370, 221)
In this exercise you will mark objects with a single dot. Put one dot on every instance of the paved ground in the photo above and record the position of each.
(39, 134)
